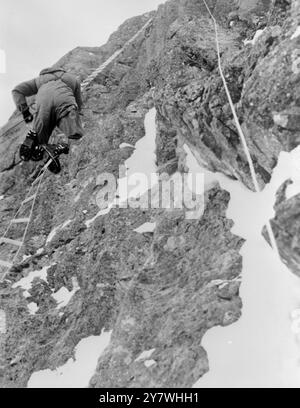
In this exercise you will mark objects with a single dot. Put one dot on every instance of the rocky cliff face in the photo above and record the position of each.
(160, 290)
(286, 228)
(192, 96)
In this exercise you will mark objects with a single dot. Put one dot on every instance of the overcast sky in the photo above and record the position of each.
(34, 34)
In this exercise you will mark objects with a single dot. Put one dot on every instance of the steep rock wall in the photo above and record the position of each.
(191, 94)
(166, 284)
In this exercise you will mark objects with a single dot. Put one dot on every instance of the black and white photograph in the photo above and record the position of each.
(149, 197)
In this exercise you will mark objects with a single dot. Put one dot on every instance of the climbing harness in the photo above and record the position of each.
(31, 197)
(240, 130)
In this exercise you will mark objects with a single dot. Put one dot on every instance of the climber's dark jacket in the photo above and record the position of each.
(58, 94)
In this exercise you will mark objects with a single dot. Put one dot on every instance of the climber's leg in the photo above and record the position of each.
(70, 124)
(43, 125)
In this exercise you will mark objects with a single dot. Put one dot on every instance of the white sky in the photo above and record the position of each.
(34, 34)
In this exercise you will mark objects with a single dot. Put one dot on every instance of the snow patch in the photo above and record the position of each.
(33, 308)
(296, 33)
(54, 231)
(281, 120)
(63, 295)
(65, 224)
(293, 189)
(147, 227)
(26, 283)
(1, 197)
(149, 363)
(259, 350)
(123, 145)
(255, 38)
(76, 373)
(25, 257)
(145, 355)
(292, 164)
(142, 161)
(88, 223)
(52, 234)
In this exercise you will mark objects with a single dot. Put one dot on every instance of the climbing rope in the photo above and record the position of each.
(31, 198)
(239, 128)
(95, 73)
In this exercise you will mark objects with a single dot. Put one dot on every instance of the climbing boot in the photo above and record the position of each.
(37, 153)
(28, 146)
(62, 148)
(54, 151)
(55, 166)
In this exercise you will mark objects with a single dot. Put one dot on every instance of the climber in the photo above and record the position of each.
(58, 103)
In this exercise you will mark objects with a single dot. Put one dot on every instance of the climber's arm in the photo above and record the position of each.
(21, 91)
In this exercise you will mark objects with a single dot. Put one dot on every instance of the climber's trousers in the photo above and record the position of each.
(46, 120)
(70, 124)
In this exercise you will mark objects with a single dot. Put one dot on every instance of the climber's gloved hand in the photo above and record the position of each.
(27, 115)
(25, 153)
